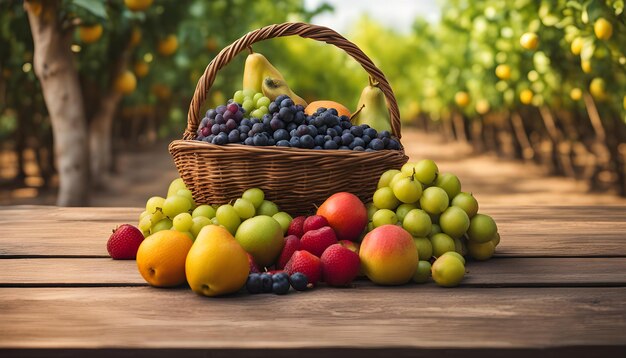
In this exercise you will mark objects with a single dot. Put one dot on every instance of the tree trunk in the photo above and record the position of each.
(100, 138)
(55, 69)
(518, 126)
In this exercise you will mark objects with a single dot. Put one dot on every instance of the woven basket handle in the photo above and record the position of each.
(304, 30)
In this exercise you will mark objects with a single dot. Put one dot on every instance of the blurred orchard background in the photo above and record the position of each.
(515, 96)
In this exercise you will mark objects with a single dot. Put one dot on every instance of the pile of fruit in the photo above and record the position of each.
(266, 112)
(419, 225)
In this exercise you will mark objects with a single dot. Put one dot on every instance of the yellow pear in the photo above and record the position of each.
(372, 109)
(216, 264)
(257, 68)
(274, 87)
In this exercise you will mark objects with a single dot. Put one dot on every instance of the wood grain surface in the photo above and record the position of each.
(35, 231)
(497, 272)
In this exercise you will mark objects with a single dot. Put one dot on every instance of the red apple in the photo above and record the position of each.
(346, 214)
(388, 255)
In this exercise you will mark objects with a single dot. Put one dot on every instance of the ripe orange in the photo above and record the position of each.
(168, 45)
(161, 258)
(529, 41)
(141, 69)
(135, 36)
(586, 66)
(577, 46)
(462, 99)
(603, 29)
(90, 34)
(526, 96)
(482, 106)
(576, 94)
(125, 83)
(138, 5)
(313, 106)
(503, 72)
(597, 88)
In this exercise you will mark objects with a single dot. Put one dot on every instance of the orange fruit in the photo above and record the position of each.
(141, 69)
(577, 46)
(137, 5)
(526, 96)
(482, 106)
(90, 34)
(576, 94)
(586, 66)
(597, 88)
(167, 46)
(161, 258)
(125, 83)
(462, 99)
(135, 36)
(313, 106)
(529, 41)
(503, 72)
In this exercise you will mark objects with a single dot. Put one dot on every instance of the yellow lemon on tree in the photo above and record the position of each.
(167, 46)
(161, 258)
(141, 69)
(526, 96)
(90, 34)
(216, 264)
(137, 5)
(576, 94)
(586, 66)
(461, 98)
(603, 29)
(577, 46)
(529, 41)
(125, 83)
(503, 72)
(597, 88)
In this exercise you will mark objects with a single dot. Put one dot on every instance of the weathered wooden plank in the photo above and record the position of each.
(526, 231)
(376, 317)
(498, 272)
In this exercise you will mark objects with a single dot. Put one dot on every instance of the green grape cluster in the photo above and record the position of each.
(433, 209)
(255, 104)
(178, 211)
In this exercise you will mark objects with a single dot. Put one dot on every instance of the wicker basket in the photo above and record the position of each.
(295, 179)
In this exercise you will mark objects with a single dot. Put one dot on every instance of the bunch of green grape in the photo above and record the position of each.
(433, 209)
(255, 104)
(179, 212)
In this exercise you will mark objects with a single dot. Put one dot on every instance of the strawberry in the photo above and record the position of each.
(295, 228)
(292, 244)
(124, 242)
(306, 263)
(340, 265)
(254, 268)
(316, 241)
(313, 223)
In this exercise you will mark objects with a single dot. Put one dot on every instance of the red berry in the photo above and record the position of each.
(295, 228)
(304, 262)
(313, 223)
(254, 268)
(124, 242)
(292, 244)
(316, 241)
(340, 265)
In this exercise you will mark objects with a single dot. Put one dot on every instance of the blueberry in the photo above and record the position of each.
(385, 141)
(306, 141)
(233, 136)
(299, 108)
(338, 129)
(294, 142)
(371, 132)
(312, 130)
(291, 126)
(219, 119)
(337, 140)
(299, 281)
(257, 128)
(356, 131)
(220, 109)
(218, 140)
(211, 113)
(283, 143)
(273, 107)
(366, 139)
(285, 114)
(393, 144)
(320, 110)
(318, 122)
(246, 122)
(384, 134)
(215, 129)
(281, 287)
(254, 284)
(267, 281)
(260, 139)
(281, 276)
(204, 122)
(276, 124)
(346, 125)
(319, 140)
(347, 138)
(243, 136)
(239, 115)
(223, 128)
(253, 121)
(302, 130)
(299, 117)
(322, 129)
(244, 128)
(248, 141)
(287, 102)
(331, 145)
(280, 98)
(344, 119)
(318, 147)
(209, 139)
(376, 144)
(231, 124)
(281, 134)
(358, 148)
(343, 147)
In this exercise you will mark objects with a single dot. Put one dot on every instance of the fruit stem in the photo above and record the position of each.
(250, 50)
(357, 112)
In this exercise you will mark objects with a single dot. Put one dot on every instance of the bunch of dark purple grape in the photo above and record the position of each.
(286, 125)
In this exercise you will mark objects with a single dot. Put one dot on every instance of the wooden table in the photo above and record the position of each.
(556, 287)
